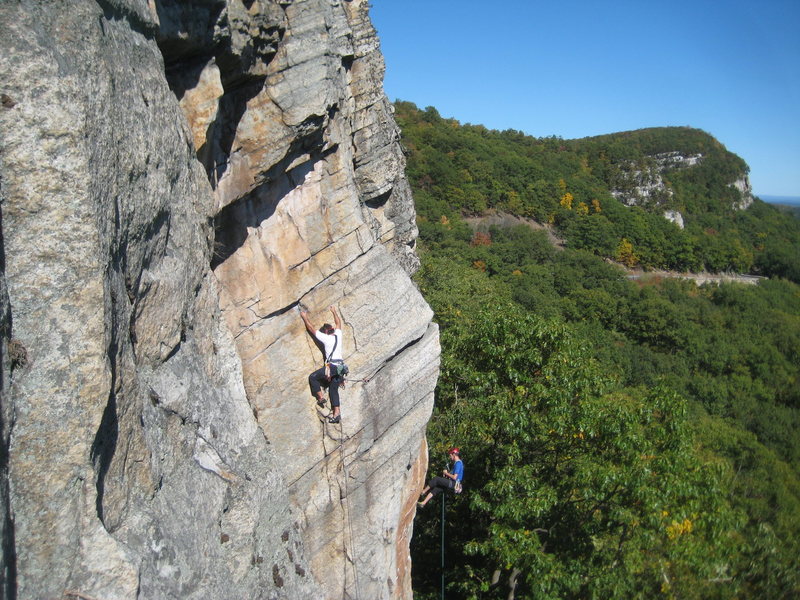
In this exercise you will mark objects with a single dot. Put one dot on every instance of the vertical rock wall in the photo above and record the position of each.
(177, 180)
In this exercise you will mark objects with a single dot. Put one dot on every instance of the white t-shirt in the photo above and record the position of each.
(328, 341)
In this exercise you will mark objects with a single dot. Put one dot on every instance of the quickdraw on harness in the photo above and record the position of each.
(336, 368)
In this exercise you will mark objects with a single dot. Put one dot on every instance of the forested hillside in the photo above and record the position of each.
(574, 185)
(622, 438)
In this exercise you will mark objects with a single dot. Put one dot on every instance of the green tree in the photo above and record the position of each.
(577, 487)
(637, 358)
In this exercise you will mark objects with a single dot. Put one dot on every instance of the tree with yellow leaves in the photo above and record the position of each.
(625, 253)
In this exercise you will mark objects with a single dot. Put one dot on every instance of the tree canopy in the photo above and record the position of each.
(622, 439)
(574, 186)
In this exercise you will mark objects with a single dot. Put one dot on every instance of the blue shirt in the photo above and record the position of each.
(458, 470)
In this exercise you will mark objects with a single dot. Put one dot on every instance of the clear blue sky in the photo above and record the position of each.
(577, 68)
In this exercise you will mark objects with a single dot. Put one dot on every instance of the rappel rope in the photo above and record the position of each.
(348, 521)
(347, 517)
(441, 544)
(346, 512)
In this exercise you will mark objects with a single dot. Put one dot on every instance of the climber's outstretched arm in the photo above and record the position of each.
(309, 326)
(336, 320)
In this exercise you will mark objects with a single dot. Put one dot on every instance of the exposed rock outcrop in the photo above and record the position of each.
(675, 217)
(742, 185)
(642, 183)
(177, 180)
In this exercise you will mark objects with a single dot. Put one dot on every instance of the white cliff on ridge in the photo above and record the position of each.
(642, 184)
(178, 179)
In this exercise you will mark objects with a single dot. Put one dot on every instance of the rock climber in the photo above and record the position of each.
(330, 336)
(449, 479)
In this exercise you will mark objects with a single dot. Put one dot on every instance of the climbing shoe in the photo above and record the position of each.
(335, 419)
(321, 402)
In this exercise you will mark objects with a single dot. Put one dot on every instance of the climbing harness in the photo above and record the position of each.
(335, 368)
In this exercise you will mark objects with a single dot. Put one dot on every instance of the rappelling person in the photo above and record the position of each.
(331, 375)
(450, 480)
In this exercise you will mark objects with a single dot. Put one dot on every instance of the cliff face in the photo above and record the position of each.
(177, 180)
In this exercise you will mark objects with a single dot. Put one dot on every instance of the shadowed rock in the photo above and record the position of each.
(176, 179)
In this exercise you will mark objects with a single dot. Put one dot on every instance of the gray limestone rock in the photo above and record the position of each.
(175, 180)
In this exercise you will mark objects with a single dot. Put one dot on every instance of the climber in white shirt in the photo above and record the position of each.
(330, 375)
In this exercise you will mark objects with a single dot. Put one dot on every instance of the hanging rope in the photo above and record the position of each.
(348, 516)
(443, 494)
(348, 521)
(346, 513)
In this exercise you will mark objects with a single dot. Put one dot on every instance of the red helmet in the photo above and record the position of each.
(454, 451)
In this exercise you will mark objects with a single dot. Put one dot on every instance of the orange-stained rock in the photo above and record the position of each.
(178, 180)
